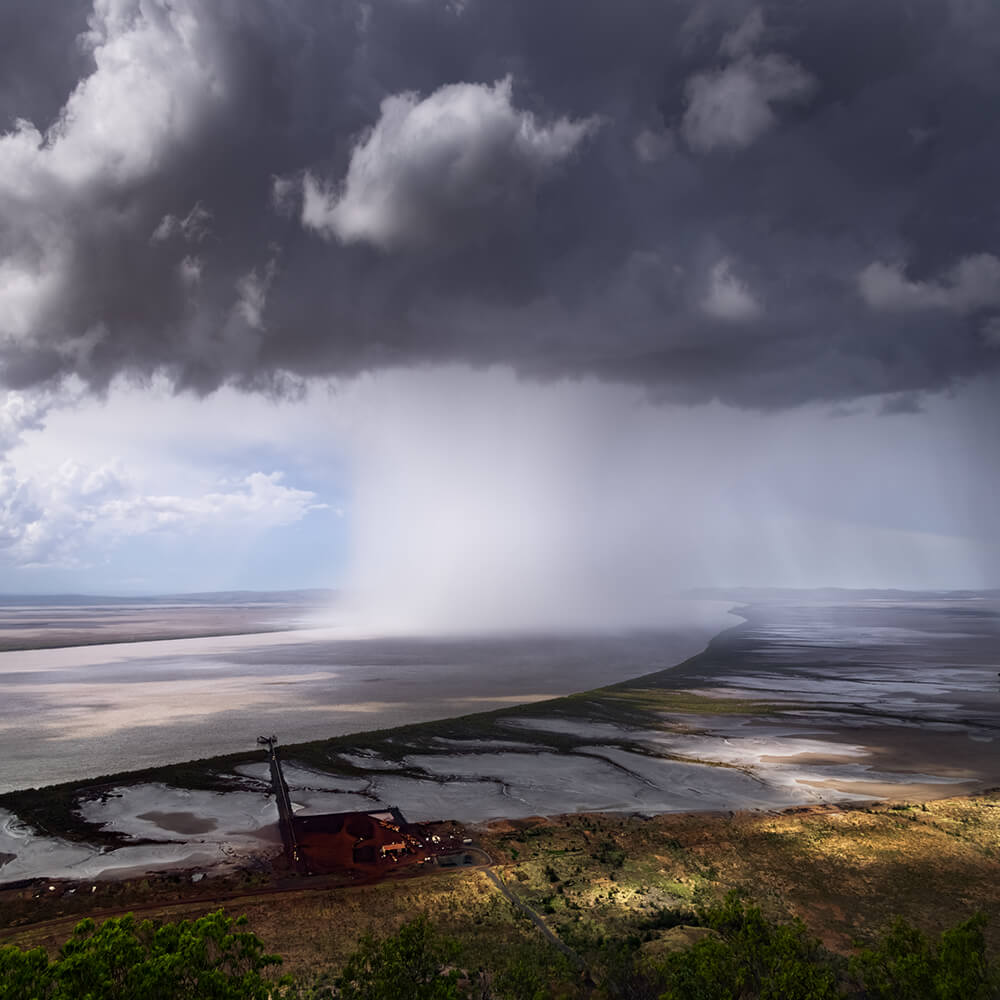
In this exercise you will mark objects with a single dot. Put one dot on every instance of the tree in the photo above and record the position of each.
(750, 958)
(211, 958)
(24, 975)
(905, 964)
(411, 965)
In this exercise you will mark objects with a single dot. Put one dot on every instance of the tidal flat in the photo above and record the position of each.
(82, 711)
(806, 701)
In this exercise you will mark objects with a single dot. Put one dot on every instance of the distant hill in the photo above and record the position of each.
(756, 595)
(315, 596)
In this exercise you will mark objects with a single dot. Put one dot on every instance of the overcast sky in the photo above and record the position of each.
(521, 309)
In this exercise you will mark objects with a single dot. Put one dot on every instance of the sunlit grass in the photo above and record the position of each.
(600, 877)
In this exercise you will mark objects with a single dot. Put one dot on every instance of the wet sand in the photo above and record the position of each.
(889, 791)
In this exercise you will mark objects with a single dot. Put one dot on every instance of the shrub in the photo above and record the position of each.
(211, 958)
(906, 964)
(411, 965)
(750, 958)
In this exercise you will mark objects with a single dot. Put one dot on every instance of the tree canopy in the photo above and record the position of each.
(741, 956)
(211, 958)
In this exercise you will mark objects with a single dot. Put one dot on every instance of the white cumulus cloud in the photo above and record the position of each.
(973, 283)
(731, 107)
(745, 36)
(439, 169)
(728, 297)
(20, 412)
(53, 518)
(153, 82)
(193, 228)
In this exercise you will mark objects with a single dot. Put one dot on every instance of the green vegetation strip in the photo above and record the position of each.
(729, 951)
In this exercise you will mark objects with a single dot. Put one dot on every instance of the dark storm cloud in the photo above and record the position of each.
(41, 61)
(765, 203)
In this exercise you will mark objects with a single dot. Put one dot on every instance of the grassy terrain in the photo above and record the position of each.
(597, 878)
(660, 700)
(844, 872)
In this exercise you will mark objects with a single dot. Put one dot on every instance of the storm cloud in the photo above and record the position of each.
(766, 204)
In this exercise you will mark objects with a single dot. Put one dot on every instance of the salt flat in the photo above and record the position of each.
(83, 711)
(779, 711)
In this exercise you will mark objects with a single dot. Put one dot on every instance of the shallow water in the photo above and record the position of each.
(84, 711)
